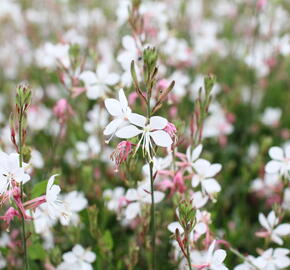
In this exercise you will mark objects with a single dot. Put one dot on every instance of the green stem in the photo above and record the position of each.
(153, 255)
(24, 244)
(188, 256)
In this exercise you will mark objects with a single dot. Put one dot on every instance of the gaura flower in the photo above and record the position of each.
(11, 173)
(152, 130)
(214, 259)
(281, 161)
(120, 110)
(272, 230)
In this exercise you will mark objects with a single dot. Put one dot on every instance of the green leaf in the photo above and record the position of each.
(36, 252)
(39, 189)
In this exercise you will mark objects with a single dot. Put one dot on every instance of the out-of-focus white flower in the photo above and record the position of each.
(216, 124)
(281, 161)
(266, 185)
(140, 196)
(97, 119)
(36, 159)
(271, 116)
(97, 83)
(273, 259)
(215, 259)
(120, 110)
(11, 172)
(51, 55)
(38, 117)
(204, 176)
(273, 231)
(181, 81)
(199, 199)
(3, 262)
(89, 149)
(114, 199)
(152, 130)
(75, 202)
(77, 259)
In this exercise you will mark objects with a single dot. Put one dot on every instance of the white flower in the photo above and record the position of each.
(77, 259)
(97, 83)
(140, 196)
(270, 223)
(273, 259)
(271, 116)
(121, 112)
(152, 130)
(193, 155)
(11, 172)
(214, 259)
(286, 201)
(281, 161)
(38, 117)
(204, 175)
(75, 202)
(55, 207)
(113, 198)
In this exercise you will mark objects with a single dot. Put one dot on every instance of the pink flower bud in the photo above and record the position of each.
(121, 153)
(261, 4)
(171, 130)
(62, 110)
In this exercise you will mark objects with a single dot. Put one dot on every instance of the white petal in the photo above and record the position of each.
(69, 257)
(161, 138)
(276, 153)
(158, 196)
(200, 228)
(128, 43)
(128, 132)
(137, 119)
(201, 166)
(283, 229)
(123, 99)
(219, 256)
(112, 79)
(282, 262)
(196, 152)
(263, 221)
(113, 126)
(211, 186)
(157, 122)
(195, 180)
(213, 170)
(50, 182)
(90, 256)
(113, 106)
(132, 210)
(175, 225)
(272, 219)
(287, 151)
(131, 194)
(88, 77)
(273, 166)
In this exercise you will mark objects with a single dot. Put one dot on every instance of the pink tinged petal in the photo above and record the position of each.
(161, 138)
(211, 186)
(219, 256)
(112, 126)
(263, 221)
(210, 251)
(196, 152)
(123, 99)
(137, 119)
(201, 166)
(213, 170)
(273, 166)
(276, 153)
(175, 225)
(131, 194)
(132, 210)
(283, 229)
(157, 122)
(113, 106)
(128, 132)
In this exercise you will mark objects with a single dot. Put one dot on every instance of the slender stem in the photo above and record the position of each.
(24, 244)
(236, 252)
(152, 227)
(188, 255)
